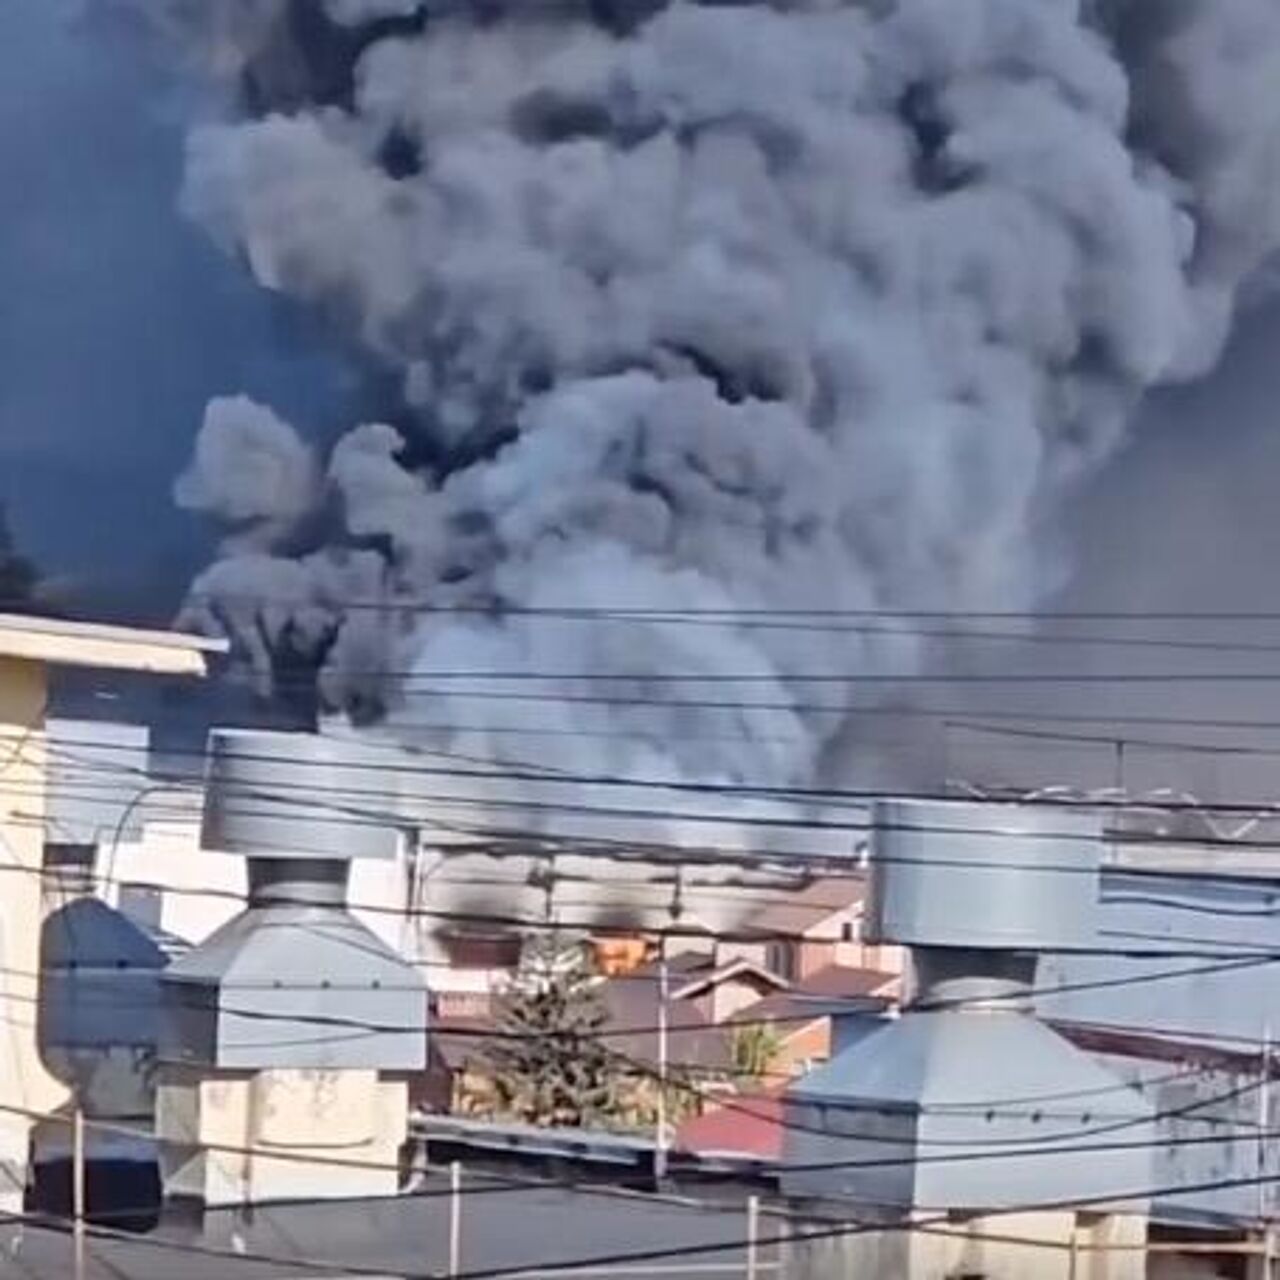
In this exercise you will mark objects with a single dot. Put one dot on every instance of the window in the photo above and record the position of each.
(782, 960)
(847, 932)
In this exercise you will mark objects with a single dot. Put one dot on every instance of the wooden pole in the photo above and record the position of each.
(455, 1217)
(77, 1188)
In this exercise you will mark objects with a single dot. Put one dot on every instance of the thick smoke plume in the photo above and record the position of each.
(797, 305)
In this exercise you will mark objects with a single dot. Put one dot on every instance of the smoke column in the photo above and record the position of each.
(797, 305)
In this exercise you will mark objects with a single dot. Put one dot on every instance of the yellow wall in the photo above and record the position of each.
(24, 1082)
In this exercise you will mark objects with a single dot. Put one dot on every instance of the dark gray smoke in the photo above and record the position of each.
(774, 306)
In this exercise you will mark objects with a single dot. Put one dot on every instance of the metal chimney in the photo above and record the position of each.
(967, 1102)
(274, 986)
(293, 1023)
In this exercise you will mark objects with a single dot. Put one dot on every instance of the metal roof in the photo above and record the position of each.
(294, 986)
(407, 1235)
(282, 945)
(957, 1059)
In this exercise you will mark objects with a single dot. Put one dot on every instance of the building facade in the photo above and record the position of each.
(31, 651)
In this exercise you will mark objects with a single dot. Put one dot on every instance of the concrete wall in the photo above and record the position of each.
(24, 1081)
(1007, 1247)
(241, 1137)
(202, 890)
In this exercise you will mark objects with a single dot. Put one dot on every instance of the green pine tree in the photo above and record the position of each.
(550, 1066)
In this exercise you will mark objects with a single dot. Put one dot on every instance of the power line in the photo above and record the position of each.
(945, 715)
(1235, 963)
(695, 933)
(497, 610)
(906, 1223)
(527, 772)
(1112, 740)
(1062, 1143)
(445, 678)
(529, 842)
(1059, 1142)
(913, 632)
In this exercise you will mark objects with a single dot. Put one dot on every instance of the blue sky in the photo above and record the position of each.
(118, 319)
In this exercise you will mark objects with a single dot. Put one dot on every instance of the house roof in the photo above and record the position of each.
(699, 981)
(745, 1125)
(689, 973)
(806, 908)
(632, 1003)
(833, 990)
(92, 644)
(836, 980)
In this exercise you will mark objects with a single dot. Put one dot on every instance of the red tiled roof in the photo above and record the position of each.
(745, 1125)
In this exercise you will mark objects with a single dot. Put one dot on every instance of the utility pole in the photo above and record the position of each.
(455, 1217)
(664, 991)
(77, 1187)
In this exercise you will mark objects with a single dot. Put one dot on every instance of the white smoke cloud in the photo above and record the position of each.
(774, 306)
(250, 468)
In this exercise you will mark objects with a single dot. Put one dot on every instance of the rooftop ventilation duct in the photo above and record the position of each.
(99, 971)
(295, 981)
(968, 1102)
